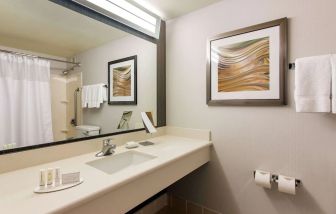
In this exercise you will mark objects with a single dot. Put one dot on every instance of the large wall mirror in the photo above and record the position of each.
(67, 75)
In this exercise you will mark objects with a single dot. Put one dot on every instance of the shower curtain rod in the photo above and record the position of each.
(40, 57)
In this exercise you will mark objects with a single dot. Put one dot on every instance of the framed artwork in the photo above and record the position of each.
(247, 66)
(122, 81)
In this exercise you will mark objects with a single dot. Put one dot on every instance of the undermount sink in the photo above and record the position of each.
(120, 161)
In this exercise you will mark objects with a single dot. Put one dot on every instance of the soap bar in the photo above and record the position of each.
(69, 178)
(132, 144)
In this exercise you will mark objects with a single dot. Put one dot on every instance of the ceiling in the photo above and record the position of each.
(45, 27)
(169, 9)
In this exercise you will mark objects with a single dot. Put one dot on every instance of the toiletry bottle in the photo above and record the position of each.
(42, 178)
(50, 176)
(57, 176)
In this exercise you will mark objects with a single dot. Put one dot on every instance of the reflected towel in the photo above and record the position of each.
(312, 84)
(93, 95)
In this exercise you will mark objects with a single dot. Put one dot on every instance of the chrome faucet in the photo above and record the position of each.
(108, 148)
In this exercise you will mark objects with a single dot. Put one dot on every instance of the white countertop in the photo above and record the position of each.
(16, 187)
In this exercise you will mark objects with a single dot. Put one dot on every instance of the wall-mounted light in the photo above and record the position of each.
(127, 13)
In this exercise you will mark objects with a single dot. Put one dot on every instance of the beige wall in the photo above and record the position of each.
(248, 138)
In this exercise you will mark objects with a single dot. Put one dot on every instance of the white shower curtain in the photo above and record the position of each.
(25, 105)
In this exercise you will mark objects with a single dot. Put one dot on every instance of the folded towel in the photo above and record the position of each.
(313, 84)
(84, 96)
(93, 95)
(333, 83)
(102, 92)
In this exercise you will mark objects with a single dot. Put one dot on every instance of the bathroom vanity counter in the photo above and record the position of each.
(174, 157)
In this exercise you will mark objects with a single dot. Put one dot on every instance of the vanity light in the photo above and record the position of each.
(150, 8)
(126, 13)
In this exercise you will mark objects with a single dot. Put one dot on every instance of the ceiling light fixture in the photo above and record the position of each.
(126, 13)
(151, 8)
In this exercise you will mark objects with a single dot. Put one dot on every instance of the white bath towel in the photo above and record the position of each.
(93, 95)
(313, 84)
(333, 83)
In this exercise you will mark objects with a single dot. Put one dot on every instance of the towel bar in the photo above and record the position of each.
(76, 92)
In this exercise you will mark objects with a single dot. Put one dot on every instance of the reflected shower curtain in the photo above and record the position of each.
(25, 103)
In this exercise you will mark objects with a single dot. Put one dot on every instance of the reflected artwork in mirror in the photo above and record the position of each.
(122, 81)
(68, 73)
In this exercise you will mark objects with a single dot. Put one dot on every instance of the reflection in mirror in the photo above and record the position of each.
(64, 75)
(148, 122)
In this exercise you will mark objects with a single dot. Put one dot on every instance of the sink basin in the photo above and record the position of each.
(115, 163)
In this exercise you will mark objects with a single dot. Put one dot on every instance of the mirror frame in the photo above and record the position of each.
(161, 72)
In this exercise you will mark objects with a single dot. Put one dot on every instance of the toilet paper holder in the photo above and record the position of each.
(275, 178)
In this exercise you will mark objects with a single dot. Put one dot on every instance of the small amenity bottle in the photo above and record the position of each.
(50, 176)
(42, 178)
(57, 176)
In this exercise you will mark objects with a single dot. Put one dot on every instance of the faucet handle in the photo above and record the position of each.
(107, 141)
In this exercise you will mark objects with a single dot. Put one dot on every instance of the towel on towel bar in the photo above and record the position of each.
(93, 95)
(313, 84)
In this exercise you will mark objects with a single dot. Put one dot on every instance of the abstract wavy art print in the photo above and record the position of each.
(122, 81)
(244, 66)
(247, 66)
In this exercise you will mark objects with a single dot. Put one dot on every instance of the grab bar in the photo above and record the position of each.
(74, 121)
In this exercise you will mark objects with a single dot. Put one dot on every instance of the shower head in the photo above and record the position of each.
(67, 71)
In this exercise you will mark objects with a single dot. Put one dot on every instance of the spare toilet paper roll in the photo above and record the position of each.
(286, 184)
(263, 179)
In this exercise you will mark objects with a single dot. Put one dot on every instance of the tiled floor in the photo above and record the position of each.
(174, 205)
(165, 210)
(168, 210)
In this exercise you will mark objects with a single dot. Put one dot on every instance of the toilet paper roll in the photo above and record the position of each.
(263, 179)
(286, 184)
